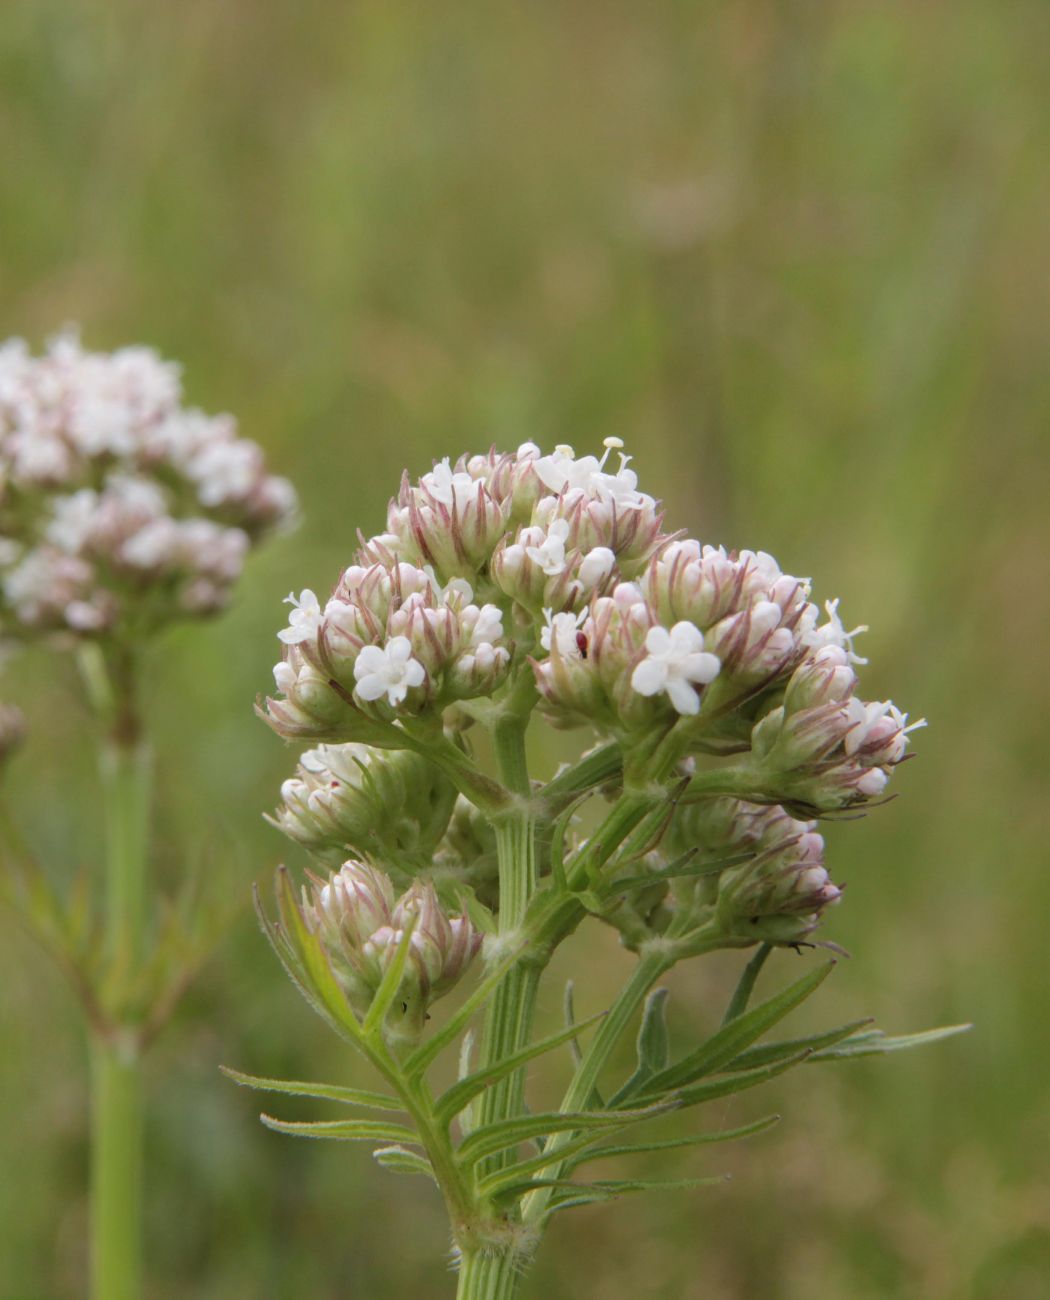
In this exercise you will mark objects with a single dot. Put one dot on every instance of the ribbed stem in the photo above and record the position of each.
(509, 1017)
(117, 1104)
(645, 974)
(487, 1277)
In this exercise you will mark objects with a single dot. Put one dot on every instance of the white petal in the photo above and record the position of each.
(370, 686)
(658, 641)
(649, 677)
(701, 667)
(686, 638)
(682, 696)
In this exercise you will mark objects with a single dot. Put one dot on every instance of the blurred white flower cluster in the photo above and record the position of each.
(120, 509)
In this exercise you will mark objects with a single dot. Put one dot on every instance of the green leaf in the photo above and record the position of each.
(742, 993)
(589, 1193)
(325, 1091)
(769, 1053)
(449, 1031)
(569, 1011)
(305, 961)
(402, 1161)
(738, 1033)
(681, 867)
(877, 1044)
(653, 1046)
(669, 1144)
(497, 1184)
(727, 1084)
(462, 1093)
(391, 981)
(343, 1130)
(491, 1138)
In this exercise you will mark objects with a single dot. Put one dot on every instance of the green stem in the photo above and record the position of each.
(117, 1105)
(487, 1276)
(645, 974)
(509, 1016)
(116, 1170)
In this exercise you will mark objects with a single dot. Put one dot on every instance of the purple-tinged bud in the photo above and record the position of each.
(779, 896)
(389, 805)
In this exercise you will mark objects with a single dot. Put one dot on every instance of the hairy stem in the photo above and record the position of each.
(487, 1276)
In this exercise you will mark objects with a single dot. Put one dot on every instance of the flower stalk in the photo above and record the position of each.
(116, 1062)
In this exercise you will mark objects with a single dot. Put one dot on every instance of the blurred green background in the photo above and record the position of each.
(795, 255)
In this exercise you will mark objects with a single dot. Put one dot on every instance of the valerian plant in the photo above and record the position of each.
(121, 512)
(509, 588)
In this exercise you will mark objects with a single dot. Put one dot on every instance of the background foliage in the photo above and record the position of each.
(796, 256)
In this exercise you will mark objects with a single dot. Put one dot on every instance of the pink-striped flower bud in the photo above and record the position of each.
(389, 805)
(779, 896)
(832, 753)
(362, 927)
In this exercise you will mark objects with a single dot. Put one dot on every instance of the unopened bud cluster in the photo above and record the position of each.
(363, 925)
(120, 509)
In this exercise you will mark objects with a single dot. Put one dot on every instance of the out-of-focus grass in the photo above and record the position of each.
(796, 256)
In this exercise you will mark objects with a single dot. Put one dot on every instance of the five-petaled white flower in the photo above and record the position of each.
(550, 554)
(675, 663)
(388, 670)
(560, 630)
(304, 620)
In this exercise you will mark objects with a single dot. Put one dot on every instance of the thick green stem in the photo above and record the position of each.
(487, 1276)
(117, 1109)
(509, 1017)
(116, 1171)
(645, 974)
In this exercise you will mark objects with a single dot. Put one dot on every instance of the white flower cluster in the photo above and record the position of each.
(119, 508)
(627, 629)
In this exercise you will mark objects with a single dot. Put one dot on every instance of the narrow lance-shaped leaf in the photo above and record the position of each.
(496, 1137)
(324, 1091)
(569, 1012)
(876, 1044)
(653, 1046)
(391, 981)
(400, 1160)
(670, 1144)
(738, 1033)
(770, 1053)
(462, 1093)
(745, 986)
(344, 1130)
(727, 1084)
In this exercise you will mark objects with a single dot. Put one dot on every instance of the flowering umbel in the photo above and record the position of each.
(727, 716)
(120, 509)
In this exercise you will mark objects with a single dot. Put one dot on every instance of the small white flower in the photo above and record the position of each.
(388, 670)
(304, 620)
(675, 662)
(834, 633)
(560, 631)
(450, 487)
(550, 554)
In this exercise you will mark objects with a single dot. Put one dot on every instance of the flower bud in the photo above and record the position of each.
(390, 805)
(833, 752)
(778, 897)
(362, 928)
